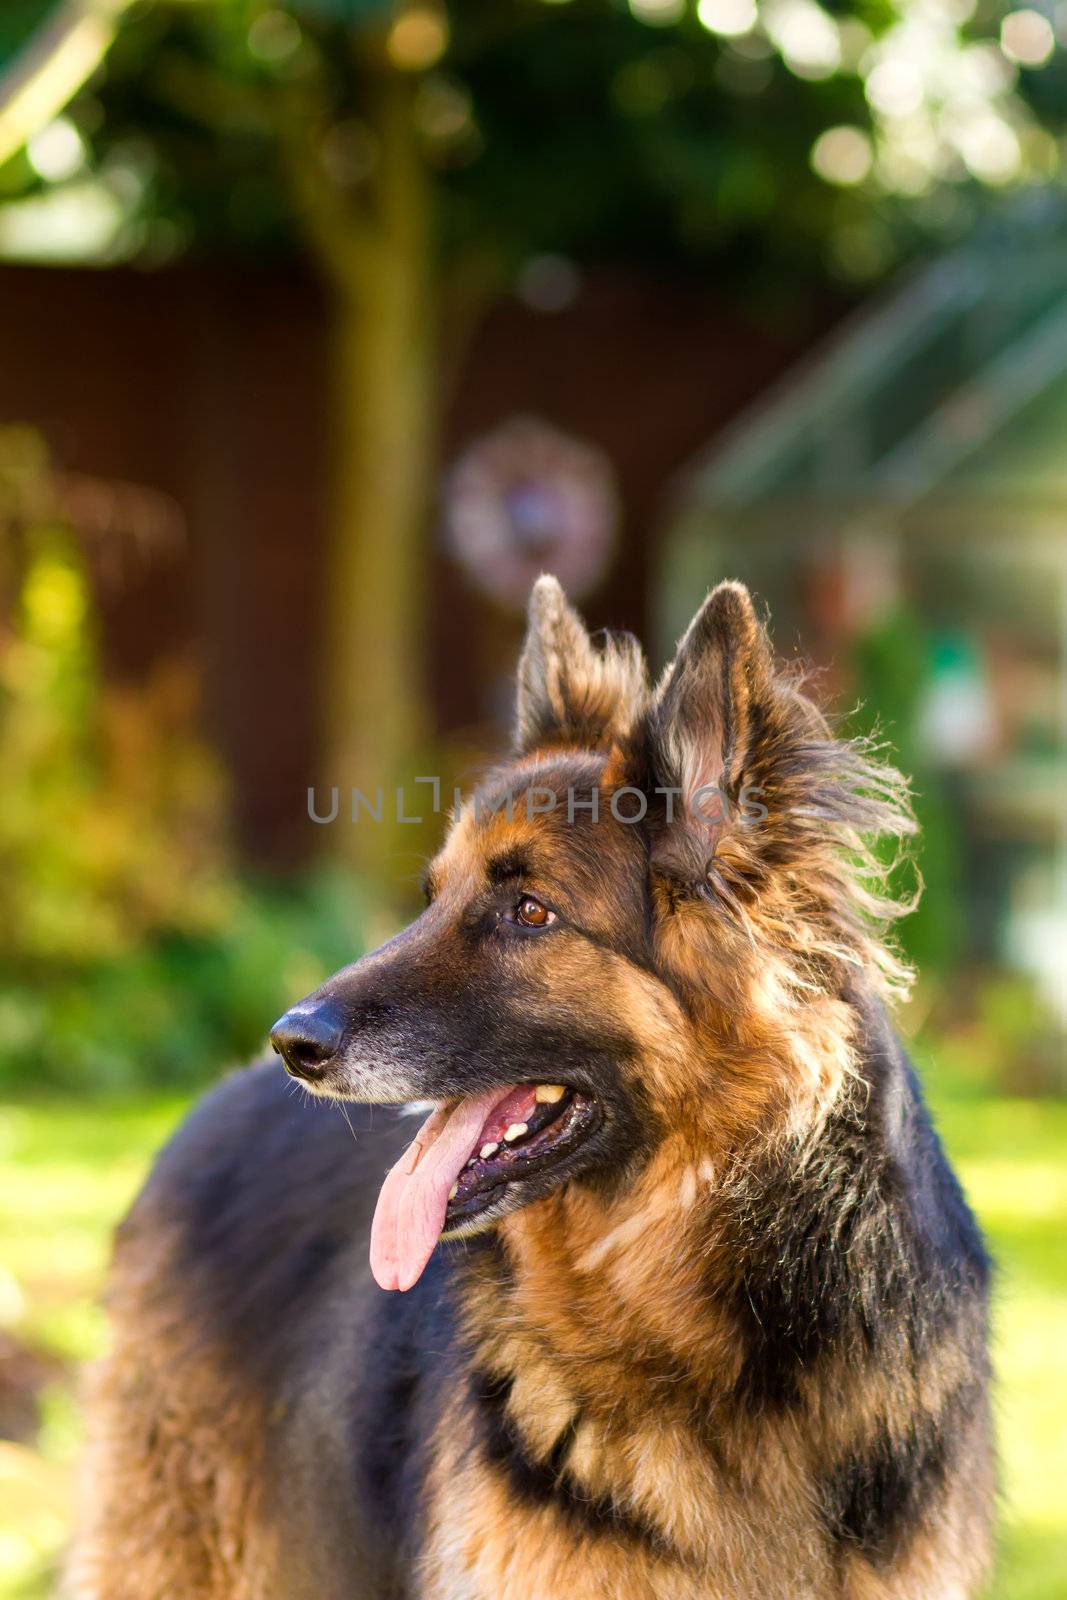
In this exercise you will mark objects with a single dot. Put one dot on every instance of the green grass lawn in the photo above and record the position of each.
(68, 1169)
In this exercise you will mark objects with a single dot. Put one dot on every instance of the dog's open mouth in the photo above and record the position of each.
(528, 1132)
(462, 1161)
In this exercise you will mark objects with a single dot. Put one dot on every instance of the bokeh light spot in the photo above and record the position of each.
(443, 109)
(418, 39)
(658, 13)
(548, 283)
(728, 17)
(57, 152)
(274, 36)
(989, 147)
(842, 155)
(895, 87)
(1027, 37)
(807, 37)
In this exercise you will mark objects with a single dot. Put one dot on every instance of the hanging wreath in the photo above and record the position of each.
(527, 499)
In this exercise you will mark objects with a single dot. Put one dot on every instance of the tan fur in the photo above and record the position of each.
(603, 1313)
(568, 691)
(176, 1514)
(737, 1508)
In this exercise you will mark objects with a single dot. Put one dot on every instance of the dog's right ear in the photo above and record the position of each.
(708, 711)
(570, 691)
(708, 733)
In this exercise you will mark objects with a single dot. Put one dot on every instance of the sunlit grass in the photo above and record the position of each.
(1012, 1157)
(69, 1168)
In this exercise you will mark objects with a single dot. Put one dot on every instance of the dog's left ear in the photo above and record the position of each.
(710, 707)
(569, 690)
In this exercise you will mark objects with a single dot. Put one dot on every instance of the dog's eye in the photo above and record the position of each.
(530, 913)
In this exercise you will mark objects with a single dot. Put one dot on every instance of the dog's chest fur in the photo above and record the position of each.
(642, 1405)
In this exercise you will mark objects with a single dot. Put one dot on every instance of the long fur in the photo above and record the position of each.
(738, 1354)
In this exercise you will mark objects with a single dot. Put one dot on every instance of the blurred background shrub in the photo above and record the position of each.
(131, 950)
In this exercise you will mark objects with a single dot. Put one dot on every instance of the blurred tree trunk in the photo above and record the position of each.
(378, 259)
(385, 444)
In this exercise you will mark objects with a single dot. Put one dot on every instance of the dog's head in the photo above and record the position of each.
(643, 921)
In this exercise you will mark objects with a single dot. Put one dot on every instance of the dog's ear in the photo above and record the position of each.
(710, 709)
(761, 801)
(571, 691)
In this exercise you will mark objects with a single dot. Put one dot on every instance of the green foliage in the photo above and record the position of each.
(594, 128)
(110, 808)
(892, 668)
(995, 1034)
(129, 951)
(181, 1005)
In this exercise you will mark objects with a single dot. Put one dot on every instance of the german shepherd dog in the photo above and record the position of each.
(713, 1323)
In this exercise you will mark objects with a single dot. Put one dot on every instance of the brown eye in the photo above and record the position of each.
(532, 914)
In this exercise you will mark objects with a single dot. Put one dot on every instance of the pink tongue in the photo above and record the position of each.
(411, 1207)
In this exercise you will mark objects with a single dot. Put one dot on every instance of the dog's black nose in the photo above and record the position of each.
(308, 1037)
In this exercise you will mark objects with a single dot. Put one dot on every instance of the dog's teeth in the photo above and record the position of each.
(547, 1094)
(452, 1193)
(471, 1161)
(490, 1148)
(516, 1131)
